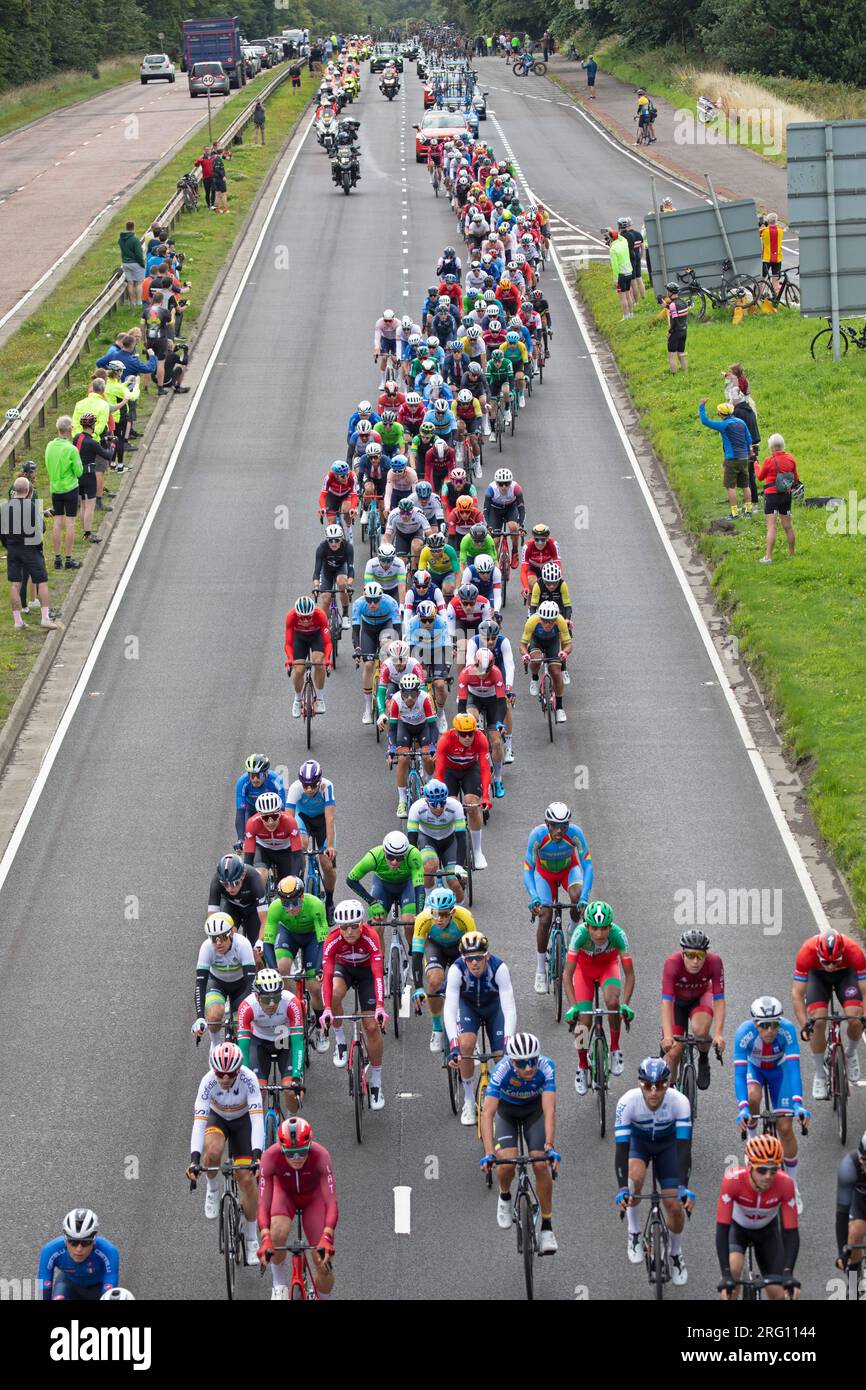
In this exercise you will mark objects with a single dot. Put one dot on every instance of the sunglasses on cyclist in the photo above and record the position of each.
(653, 1085)
(373, 601)
(694, 955)
(223, 936)
(81, 1244)
(395, 858)
(525, 1066)
(296, 1153)
(766, 1169)
(769, 1023)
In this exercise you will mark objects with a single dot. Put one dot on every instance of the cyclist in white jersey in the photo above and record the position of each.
(228, 1106)
(224, 972)
(437, 826)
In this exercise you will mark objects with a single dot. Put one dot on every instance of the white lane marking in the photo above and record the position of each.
(754, 753)
(81, 685)
(403, 1211)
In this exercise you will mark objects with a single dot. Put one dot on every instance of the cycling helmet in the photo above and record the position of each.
(464, 397)
(449, 253)
(483, 660)
(427, 430)
(505, 283)
(230, 869)
(257, 764)
(398, 650)
(427, 608)
(436, 380)
(423, 490)
(290, 889)
(467, 593)
(410, 684)
(304, 606)
(465, 503)
(450, 279)
(558, 813)
(226, 1057)
(395, 844)
(115, 1295)
(830, 947)
(441, 900)
(504, 477)
(444, 301)
(405, 321)
(475, 368)
(349, 913)
(764, 1148)
(268, 982)
(495, 311)
(218, 924)
(474, 333)
(13, 413)
(387, 315)
(364, 407)
(540, 532)
(599, 914)
(478, 532)
(80, 1224)
(490, 297)
(415, 340)
(440, 406)
(406, 505)
(88, 420)
(766, 1009)
(309, 773)
(436, 542)
(295, 1135)
(548, 611)
(623, 222)
(455, 345)
(512, 337)
(363, 428)
(340, 468)
(653, 1070)
(672, 287)
(413, 400)
(388, 415)
(433, 341)
(523, 1047)
(269, 804)
(373, 590)
(464, 723)
(474, 943)
(373, 450)
(421, 577)
(483, 565)
(489, 628)
(519, 260)
(435, 793)
(334, 532)
(386, 553)
(551, 572)
(694, 940)
(439, 447)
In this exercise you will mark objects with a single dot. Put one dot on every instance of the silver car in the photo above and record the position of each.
(156, 67)
(199, 88)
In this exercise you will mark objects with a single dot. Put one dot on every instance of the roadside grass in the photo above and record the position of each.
(799, 622)
(20, 105)
(207, 240)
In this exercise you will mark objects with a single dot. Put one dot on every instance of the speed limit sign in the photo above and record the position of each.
(208, 79)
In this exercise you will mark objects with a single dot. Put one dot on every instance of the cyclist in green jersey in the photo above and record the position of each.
(297, 921)
(477, 541)
(500, 375)
(398, 878)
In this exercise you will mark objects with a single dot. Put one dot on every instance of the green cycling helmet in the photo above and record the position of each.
(599, 914)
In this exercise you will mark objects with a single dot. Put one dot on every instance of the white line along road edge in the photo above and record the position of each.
(81, 685)
(757, 761)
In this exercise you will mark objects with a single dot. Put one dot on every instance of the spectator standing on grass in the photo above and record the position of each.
(64, 467)
(90, 450)
(117, 393)
(258, 123)
(95, 401)
(545, 45)
(21, 530)
(205, 163)
(131, 262)
(744, 409)
(771, 234)
(219, 179)
(620, 263)
(295, 75)
(779, 474)
(676, 308)
(590, 67)
(736, 445)
(28, 471)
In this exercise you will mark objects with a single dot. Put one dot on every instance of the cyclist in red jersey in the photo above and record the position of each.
(758, 1207)
(352, 957)
(539, 549)
(827, 964)
(463, 764)
(307, 633)
(296, 1175)
(693, 1000)
(272, 839)
(339, 496)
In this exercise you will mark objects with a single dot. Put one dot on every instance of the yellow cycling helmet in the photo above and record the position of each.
(464, 723)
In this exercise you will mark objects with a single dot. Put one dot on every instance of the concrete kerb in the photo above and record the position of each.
(52, 648)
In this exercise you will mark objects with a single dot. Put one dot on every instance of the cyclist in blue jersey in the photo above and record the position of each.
(373, 615)
(256, 778)
(442, 420)
(478, 990)
(311, 800)
(521, 1099)
(557, 856)
(81, 1265)
(365, 411)
(767, 1053)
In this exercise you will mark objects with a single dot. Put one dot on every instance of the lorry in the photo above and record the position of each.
(214, 41)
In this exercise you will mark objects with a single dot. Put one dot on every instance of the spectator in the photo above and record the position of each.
(735, 380)
(771, 249)
(744, 409)
(205, 163)
(90, 451)
(219, 179)
(736, 445)
(64, 467)
(258, 123)
(28, 471)
(21, 530)
(295, 75)
(117, 394)
(131, 262)
(124, 351)
(620, 263)
(676, 307)
(779, 473)
(590, 67)
(95, 401)
(545, 45)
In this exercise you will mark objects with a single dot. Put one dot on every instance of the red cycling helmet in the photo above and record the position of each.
(295, 1136)
(830, 947)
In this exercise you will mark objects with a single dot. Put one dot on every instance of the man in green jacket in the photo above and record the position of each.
(131, 262)
(620, 263)
(64, 467)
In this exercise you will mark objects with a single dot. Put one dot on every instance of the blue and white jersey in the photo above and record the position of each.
(302, 804)
(432, 643)
(756, 1056)
(484, 992)
(516, 1087)
(671, 1121)
(102, 1266)
(385, 614)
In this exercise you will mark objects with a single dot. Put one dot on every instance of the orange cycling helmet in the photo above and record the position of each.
(465, 723)
(764, 1148)
(465, 502)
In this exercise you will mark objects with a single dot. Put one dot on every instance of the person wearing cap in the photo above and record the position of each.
(736, 445)
(90, 450)
(620, 264)
(64, 467)
(21, 531)
(675, 307)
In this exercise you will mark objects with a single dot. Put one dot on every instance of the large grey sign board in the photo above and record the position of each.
(692, 238)
(827, 209)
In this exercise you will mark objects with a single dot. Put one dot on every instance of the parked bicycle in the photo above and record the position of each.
(731, 291)
(787, 292)
(849, 335)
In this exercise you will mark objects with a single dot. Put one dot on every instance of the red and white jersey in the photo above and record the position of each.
(740, 1201)
(412, 715)
(456, 614)
(389, 675)
(363, 954)
(489, 686)
(254, 1021)
(285, 834)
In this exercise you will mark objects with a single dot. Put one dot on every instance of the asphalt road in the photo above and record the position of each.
(61, 172)
(102, 910)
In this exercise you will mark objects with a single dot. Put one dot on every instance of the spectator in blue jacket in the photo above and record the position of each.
(736, 443)
(123, 351)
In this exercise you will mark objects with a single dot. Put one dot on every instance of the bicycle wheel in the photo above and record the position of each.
(356, 1073)
(556, 970)
(541, 368)
(823, 342)
(498, 429)
(413, 786)
(840, 1092)
(395, 982)
(790, 296)
(689, 1087)
(514, 409)
(526, 1239)
(540, 69)
(599, 1081)
(547, 703)
(271, 1127)
(701, 304)
(658, 1271)
(504, 570)
(454, 1087)
(229, 1225)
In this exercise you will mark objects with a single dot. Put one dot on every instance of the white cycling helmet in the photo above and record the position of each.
(349, 913)
(335, 532)
(548, 611)
(395, 844)
(503, 476)
(399, 650)
(523, 1047)
(483, 565)
(115, 1295)
(218, 924)
(80, 1224)
(269, 804)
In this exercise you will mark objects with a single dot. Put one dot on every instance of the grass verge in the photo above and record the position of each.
(799, 621)
(21, 105)
(207, 240)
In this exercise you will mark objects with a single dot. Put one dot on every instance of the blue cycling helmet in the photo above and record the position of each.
(653, 1070)
(398, 463)
(441, 900)
(435, 793)
(423, 490)
(340, 469)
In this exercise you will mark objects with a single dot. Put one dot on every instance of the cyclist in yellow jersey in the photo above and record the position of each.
(546, 634)
(435, 946)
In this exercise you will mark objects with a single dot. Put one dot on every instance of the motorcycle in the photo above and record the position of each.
(344, 168)
(389, 87)
(325, 125)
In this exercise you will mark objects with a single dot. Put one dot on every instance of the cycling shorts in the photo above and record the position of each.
(303, 643)
(511, 1119)
(684, 1008)
(438, 955)
(663, 1156)
(547, 645)
(289, 943)
(500, 516)
(412, 735)
(264, 1051)
(390, 893)
(491, 1015)
(388, 345)
(63, 1289)
(548, 883)
(466, 780)
(766, 1241)
(821, 985)
(218, 991)
(238, 1132)
(314, 826)
(311, 1205)
(334, 501)
(362, 979)
(604, 969)
(774, 1078)
(443, 850)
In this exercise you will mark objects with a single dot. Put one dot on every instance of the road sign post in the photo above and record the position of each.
(207, 83)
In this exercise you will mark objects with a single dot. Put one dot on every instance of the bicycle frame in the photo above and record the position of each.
(302, 1284)
(656, 1238)
(397, 967)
